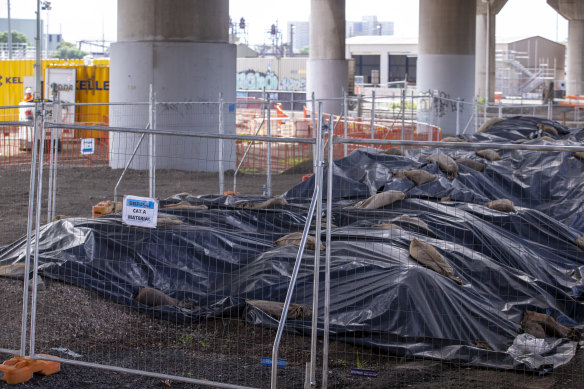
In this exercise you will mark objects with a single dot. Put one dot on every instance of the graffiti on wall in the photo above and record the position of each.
(293, 84)
(252, 80)
(439, 103)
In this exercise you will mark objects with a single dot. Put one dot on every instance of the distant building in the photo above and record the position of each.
(299, 31)
(24, 26)
(28, 28)
(526, 66)
(368, 26)
(382, 59)
(52, 41)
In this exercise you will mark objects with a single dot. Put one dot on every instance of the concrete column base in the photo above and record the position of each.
(449, 76)
(327, 78)
(178, 72)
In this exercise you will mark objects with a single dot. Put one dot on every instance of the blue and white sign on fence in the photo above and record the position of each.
(87, 146)
(267, 361)
(140, 211)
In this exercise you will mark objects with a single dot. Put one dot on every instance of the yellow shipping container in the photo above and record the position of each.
(92, 87)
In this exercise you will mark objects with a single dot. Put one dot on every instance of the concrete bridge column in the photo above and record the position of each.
(327, 69)
(575, 76)
(446, 59)
(487, 11)
(181, 48)
(573, 10)
(383, 67)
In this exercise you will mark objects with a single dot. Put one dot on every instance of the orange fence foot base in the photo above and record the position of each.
(21, 369)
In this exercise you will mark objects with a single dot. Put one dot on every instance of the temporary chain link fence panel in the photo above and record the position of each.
(17, 196)
(444, 257)
(464, 253)
(168, 301)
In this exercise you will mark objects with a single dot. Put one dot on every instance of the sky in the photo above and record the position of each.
(96, 20)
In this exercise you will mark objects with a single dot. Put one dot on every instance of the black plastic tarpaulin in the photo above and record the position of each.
(217, 258)
(379, 295)
(544, 180)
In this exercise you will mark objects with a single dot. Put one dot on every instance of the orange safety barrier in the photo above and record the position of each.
(16, 147)
(21, 369)
(572, 101)
(15, 143)
(286, 155)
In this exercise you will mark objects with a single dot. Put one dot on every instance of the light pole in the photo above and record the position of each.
(37, 65)
(292, 28)
(9, 33)
(46, 6)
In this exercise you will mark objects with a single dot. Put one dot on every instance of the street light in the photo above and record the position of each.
(46, 6)
(292, 29)
(10, 32)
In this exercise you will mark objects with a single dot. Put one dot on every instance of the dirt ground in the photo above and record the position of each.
(226, 350)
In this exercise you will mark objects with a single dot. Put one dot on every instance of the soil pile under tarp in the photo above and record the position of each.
(548, 181)
(507, 263)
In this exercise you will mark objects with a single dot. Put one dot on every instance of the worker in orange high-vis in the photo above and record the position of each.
(26, 114)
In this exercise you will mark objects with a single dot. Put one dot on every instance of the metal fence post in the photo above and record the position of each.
(372, 114)
(269, 153)
(458, 116)
(220, 151)
(345, 129)
(413, 114)
(403, 121)
(327, 272)
(319, 164)
(35, 265)
(313, 129)
(294, 275)
(476, 114)
(151, 146)
(550, 114)
(500, 109)
(53, 147)
(31, 196)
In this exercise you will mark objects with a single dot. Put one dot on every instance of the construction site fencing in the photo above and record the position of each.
(420, 116)
(316, 288)
(209, 349)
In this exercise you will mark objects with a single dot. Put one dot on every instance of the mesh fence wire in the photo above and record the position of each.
(200, 295)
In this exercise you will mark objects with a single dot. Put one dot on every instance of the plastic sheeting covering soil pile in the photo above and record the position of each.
(499, 265)
(544, 180)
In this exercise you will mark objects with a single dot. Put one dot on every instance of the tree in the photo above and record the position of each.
(303, 50)
(17, 37)
(67, 50)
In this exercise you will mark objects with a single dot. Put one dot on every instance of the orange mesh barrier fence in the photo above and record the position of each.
(286, 155)
(16, 142)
